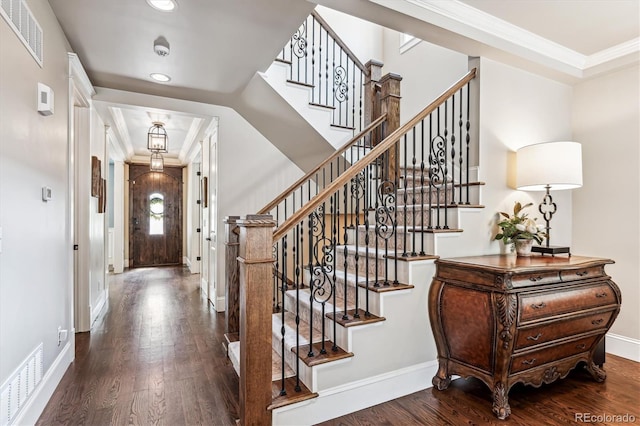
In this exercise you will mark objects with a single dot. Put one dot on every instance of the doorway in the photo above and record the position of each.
(155, 228)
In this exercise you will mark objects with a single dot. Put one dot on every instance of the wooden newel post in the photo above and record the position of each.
(372, 97)
(390, 100)
(232, 279)
(256, 277)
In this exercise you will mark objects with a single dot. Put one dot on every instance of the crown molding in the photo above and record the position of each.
(121, 127)
(462, 19)
(190, 139)
(79, 76)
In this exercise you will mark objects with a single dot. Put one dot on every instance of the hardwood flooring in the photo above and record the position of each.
(468, 402)
(155, 357)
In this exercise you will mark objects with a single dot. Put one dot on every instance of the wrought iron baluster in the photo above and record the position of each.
(453, 150)
(345, 316)
(415, 199)
(468, 138)
(430, 171)
(422, 253)
(445, 178)
(282, 328)
(313, 58)
(295, 251)
(460, 156)
(405, 197)
(334, 247)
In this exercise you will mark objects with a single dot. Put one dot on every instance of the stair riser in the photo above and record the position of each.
(361, 266)
(305, 313)
(417, 197)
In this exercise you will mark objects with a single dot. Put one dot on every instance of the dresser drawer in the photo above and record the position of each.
(553, 353)
(521, 280)
(547, 332)
(560, 301)
(582, 274)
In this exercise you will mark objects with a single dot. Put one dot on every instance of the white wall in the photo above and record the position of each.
(362, 37)
(251, 172)
(35, 278)
(606, 222)
(518, 108)
(427, 70)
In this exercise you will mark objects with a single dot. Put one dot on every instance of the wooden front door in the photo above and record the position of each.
(155, 229)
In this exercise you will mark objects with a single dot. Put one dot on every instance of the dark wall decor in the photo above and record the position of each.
(96, 175)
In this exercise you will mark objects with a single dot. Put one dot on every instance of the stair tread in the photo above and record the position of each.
(292, 395)
(322, 358)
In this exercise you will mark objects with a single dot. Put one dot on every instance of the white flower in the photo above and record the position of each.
(520, 227)
(541, 227)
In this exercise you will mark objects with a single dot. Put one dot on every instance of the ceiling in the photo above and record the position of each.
(216, 46)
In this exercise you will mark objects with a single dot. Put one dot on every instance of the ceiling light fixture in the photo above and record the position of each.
(159, 77)
(157, 138)
(156, 163)
(163, 5)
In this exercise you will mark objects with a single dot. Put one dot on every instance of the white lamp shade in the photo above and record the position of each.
(556, 164)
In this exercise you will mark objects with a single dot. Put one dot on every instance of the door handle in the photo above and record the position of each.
(208, 239)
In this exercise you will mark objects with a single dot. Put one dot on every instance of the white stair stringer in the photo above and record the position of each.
(299, 97)
(391, 358)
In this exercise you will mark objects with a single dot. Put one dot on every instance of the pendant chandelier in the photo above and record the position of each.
(157, 162)
(157, 139)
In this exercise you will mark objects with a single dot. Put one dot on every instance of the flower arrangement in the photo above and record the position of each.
(519, 226)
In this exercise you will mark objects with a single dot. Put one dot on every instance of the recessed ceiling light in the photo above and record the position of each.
(163, 5)
(162, 78)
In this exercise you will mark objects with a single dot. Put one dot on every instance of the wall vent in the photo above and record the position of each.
(24, 24)
(17, 389)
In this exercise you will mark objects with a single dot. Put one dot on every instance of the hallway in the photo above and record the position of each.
(153, 357)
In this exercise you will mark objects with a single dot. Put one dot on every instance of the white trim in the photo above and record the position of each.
(407, 41)
(186, 261)
(190, 140)
(95, 311)
(38, 401)
(220, 304)
(467, 21)
(354, 396)
(623, 346)
(79, 76)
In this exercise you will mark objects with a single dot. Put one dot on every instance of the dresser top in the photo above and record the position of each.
(518, 264)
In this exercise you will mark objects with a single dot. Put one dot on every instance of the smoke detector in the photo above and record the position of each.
(161, 46)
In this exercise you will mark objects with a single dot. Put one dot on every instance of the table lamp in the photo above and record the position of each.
(549, 166)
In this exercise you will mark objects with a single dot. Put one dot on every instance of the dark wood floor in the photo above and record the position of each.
(156, 357)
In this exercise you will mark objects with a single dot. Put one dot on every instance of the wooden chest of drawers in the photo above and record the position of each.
(508, 319)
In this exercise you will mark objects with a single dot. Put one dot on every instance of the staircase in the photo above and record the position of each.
(334, 273)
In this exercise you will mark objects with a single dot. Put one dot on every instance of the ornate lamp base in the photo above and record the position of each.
(552, 250)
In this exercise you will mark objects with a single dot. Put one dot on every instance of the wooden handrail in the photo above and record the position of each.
(369, 158)
(339, 41)
(266, 209)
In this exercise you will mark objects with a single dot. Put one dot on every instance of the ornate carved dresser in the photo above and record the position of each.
(505, 319)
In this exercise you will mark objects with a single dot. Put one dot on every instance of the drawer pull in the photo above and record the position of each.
(529, 361)
(534, 279)
(534, 338)
(597, 321)
(582, 273)
(601, 295)
(539, 305)
(581, 346)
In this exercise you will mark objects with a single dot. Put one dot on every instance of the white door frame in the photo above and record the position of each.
(80, 93)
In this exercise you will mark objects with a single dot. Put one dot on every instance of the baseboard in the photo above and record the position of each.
(186, 261)
(35, 406)
(219, 305)
(95, 311)
(345, 399)
(623, 346)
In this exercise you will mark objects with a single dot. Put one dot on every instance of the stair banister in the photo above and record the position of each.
(266, 209)
(369, 158)
(339, 42)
